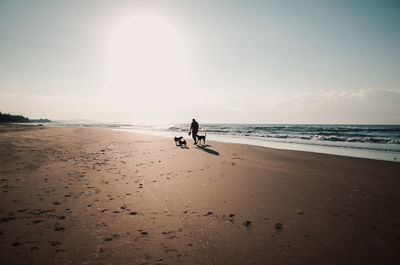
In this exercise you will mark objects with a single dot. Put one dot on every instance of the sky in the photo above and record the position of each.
(216, 61)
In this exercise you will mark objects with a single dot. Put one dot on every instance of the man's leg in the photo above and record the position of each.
(195, 137)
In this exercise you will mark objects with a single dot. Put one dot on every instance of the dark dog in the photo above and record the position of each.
(178, 140)
(201, 137)
(182, 143)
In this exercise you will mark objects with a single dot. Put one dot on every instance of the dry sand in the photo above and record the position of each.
(94, 196)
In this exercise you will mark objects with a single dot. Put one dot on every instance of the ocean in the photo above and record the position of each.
(380, 142)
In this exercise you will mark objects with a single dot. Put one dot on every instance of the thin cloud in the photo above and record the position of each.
(316, 98)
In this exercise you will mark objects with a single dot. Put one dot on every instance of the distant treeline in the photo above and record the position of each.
(5, 117)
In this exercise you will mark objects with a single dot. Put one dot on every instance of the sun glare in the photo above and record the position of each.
(146, 59)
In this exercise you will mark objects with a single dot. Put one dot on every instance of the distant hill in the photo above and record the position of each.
(6, 117)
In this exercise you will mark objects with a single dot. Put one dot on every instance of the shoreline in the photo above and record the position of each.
(99, 196)
(275, 145)
(376, 151)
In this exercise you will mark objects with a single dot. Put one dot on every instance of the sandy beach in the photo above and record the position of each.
(97, 196)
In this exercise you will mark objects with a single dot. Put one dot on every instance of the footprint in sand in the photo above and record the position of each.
(59, 228)
(16, 244)
(232, 218)
(278, 227)
(247, 224)
(54, 243)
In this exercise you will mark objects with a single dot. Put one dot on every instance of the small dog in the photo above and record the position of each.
(182, 143)
(201, 137)
(178, 140)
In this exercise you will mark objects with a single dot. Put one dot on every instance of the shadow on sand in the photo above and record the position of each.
(208, 150)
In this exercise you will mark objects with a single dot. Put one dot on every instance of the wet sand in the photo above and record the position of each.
(96, 196)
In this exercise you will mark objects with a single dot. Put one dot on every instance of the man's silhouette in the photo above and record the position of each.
(194, 128)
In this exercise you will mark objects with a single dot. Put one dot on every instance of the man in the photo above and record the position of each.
(194, 128)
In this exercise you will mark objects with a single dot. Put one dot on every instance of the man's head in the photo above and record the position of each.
(193, 120)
